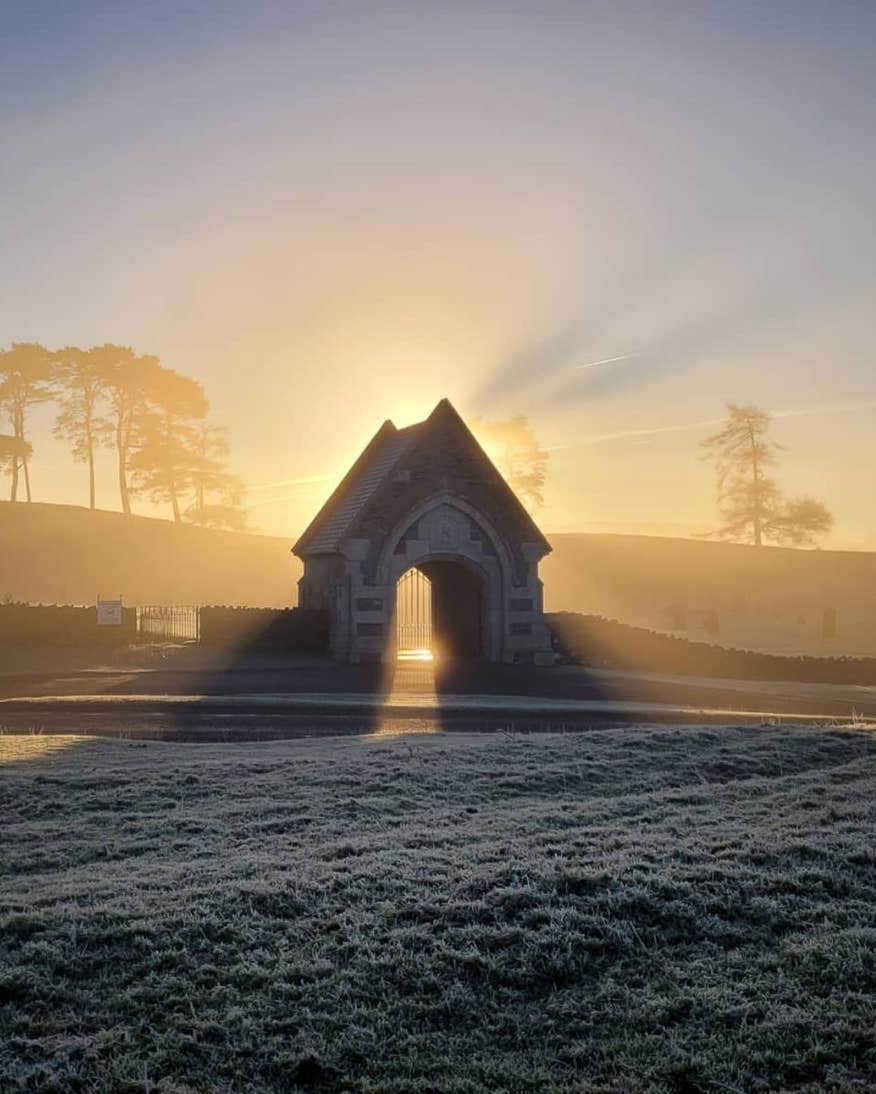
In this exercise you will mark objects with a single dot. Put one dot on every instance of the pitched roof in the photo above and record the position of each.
(326, 532)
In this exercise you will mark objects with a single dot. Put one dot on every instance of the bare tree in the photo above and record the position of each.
(26, 371)
(518, 455)
(81, 386)
(751, 504)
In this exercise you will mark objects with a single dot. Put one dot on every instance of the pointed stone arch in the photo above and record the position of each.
(425, 496)
(447, 529)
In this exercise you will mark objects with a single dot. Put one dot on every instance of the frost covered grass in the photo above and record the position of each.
(623, 909)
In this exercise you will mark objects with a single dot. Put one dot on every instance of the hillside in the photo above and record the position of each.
(66, 554)
(770, 598)
(773, 599)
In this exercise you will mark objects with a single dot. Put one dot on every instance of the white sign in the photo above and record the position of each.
(109, 613)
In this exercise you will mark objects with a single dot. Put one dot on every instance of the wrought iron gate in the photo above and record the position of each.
(413, 612)
(159, 623)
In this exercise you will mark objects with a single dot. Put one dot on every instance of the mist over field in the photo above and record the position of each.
(772, 600)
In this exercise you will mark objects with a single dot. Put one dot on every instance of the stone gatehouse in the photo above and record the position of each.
(427, 497)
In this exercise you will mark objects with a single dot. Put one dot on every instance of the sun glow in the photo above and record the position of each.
(22, 747)
(411, 673)
(411, 702)
(415, 655)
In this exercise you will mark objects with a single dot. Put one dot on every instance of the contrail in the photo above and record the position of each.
(608, 360)
(623, 434)
(806, 412)
(709, 423)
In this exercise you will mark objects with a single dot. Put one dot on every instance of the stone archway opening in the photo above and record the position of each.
(440, 608)
(413, 616)
(427, 497)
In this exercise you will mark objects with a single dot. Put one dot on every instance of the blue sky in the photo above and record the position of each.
(334, 213)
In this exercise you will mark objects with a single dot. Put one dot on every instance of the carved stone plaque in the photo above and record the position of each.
(446, 533)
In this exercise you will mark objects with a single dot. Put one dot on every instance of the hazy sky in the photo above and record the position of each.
(335, 213)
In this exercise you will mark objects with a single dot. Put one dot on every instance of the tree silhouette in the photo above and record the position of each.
(211, 479)
(26, 371)
(126, 380)
(152, 416)
(518, 455)
(164, 463)
(750, 502)
(801, 522)
(12, 451)
(81, 383)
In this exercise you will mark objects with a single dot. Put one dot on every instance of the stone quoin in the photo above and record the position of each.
(427, 496)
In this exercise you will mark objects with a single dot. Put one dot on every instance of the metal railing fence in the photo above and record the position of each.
(159, 623)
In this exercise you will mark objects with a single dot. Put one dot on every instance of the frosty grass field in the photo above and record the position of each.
(622, 909)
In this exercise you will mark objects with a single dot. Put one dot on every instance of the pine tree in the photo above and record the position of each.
(81, 387)
(164, 463)
(218, 494)
(26, 373)
(12, 451)
(751, 504)
(126, 379)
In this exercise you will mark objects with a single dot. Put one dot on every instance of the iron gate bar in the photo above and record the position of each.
(413, 611)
